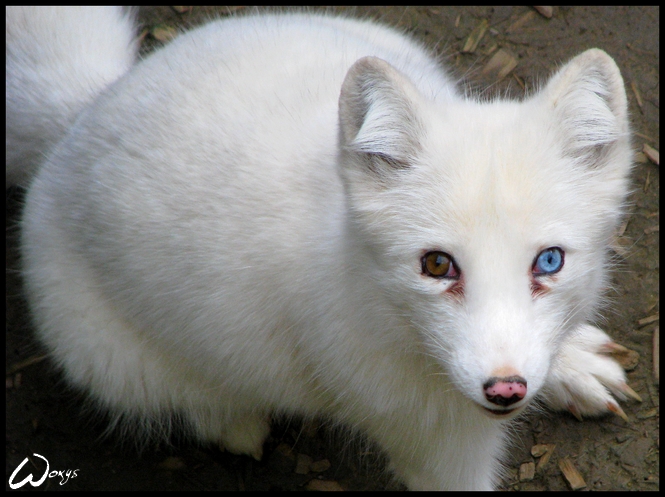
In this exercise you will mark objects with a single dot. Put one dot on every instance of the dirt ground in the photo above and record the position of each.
(46, 418)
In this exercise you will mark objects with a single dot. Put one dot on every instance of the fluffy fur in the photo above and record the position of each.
(240, 225)
(57, 61)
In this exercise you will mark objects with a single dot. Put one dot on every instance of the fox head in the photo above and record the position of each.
(488, 224)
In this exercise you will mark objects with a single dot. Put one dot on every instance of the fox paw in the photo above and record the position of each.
(584, 378)
(246, 436)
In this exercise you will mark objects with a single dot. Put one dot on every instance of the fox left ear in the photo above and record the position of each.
(589, 101)
(378, 115)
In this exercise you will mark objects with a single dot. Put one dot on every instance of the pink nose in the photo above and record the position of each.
(505, 391)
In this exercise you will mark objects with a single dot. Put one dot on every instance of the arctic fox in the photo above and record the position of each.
(299, 214)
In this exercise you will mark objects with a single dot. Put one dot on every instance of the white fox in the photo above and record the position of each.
(299, 214)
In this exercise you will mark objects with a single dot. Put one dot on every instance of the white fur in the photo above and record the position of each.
(58, 59)
(223, 236)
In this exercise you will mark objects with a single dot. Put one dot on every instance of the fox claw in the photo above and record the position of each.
(575, 411)
(613, 348)
(630, 392)
(616, 409)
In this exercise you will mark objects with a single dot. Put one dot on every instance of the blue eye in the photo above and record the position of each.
(549, 261)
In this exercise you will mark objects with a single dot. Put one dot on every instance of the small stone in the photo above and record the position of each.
(539, 449)
(303, 463)
(320, 466)
(527, 471)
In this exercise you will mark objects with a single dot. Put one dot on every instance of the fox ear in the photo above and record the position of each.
(590, 106)
(378, 117)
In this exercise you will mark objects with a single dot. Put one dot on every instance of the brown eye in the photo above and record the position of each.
(439, 265)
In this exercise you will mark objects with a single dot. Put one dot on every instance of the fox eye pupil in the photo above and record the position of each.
(438, 265)
(549, 261)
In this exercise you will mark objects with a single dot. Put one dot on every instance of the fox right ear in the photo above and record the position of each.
(589, 100)
(377, 113)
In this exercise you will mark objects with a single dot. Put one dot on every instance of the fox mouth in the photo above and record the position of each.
(502, 413)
